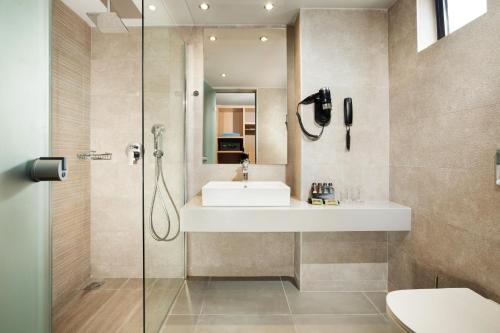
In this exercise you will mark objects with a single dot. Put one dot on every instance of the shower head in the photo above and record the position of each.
(108, 22)
(157, 130)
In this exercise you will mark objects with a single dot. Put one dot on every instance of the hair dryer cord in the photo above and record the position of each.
(312, 137)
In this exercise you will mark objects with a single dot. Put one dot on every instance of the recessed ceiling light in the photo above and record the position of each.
(204, 6)
(263, 39)
(213, 38)
(152, 8)
(269, 6)
(223, 75)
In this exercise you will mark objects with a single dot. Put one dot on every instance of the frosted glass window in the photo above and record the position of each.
(461, 12)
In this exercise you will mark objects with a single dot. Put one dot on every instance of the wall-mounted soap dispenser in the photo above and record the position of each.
(498, 167)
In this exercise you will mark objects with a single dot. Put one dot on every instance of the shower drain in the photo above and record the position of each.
(94, 285)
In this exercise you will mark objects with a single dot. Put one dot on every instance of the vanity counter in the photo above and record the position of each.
(298, 217)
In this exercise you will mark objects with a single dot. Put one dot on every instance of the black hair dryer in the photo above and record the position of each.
(322, 111)
(348, 121)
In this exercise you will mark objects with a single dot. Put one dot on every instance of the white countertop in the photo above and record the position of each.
(299, 217)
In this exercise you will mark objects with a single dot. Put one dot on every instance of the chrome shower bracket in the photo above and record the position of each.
(134, 153)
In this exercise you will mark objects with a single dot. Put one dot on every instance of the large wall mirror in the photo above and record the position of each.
(245, 95)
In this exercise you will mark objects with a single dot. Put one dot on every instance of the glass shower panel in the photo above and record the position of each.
(24, 132)
(164, 166)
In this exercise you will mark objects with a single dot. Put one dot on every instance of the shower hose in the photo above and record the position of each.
(160, 185)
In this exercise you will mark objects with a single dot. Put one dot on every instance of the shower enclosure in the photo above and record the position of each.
(118, 255)
(164, 77)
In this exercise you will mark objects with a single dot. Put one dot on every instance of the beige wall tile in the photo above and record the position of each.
(240, 254)
(70, 200)
(445, 115)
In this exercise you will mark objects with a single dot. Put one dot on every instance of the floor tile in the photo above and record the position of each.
(133, 284)
(190, 298)
(113, 283)
(343, 324)
(378, 299)
(158, 302)
(327, 302)
(245, 298)
(179, 324)
(168, 283)
(79, 309)
(118, 309)
(245, 324)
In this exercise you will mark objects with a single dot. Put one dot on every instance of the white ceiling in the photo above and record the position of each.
(222, 12)
(252, 12)
(248, 62)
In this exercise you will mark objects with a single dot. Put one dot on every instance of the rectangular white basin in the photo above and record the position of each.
(246, 194)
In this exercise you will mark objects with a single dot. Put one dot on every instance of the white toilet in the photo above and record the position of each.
(457, 310)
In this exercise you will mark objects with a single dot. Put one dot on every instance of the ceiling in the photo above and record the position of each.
(246, 61)
(221, 12)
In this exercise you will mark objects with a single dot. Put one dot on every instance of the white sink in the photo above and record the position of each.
(245, 194)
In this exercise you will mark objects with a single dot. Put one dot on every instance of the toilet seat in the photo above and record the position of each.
(457, 310)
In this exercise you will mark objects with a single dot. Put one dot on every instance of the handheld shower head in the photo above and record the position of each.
(157, 130)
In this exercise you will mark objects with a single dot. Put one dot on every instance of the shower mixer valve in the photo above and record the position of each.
(134, 153)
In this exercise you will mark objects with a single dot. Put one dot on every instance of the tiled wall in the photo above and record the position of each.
(346, 50)
(116, 214)
(164, 88)
(70, 135)
(230, 256)
(445, 128)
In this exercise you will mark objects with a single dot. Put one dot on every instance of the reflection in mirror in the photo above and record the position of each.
(245, 103)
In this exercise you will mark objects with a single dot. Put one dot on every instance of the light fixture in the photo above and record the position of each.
(223, 75)
(204, 6)
(152, 8)
(213, 38)
(269, 6)
(263, 39)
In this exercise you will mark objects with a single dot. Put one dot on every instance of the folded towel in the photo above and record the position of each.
(231, 134)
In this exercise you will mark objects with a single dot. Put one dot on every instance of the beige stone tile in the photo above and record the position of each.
(402, 19)
(190, 299)
(244, 324)
(223, 254)
(327, 302)
(378, 299)
(344, 247)
(245, 298)
(158, 302)
(343, 324)
(179, 324)
(343, 285)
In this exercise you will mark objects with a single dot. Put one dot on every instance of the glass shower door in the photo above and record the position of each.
(164, 165)
(24, 133)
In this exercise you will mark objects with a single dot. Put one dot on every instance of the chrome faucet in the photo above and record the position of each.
(244, 166)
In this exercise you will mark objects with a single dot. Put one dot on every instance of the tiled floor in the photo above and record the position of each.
(273, 306)
(117, 307)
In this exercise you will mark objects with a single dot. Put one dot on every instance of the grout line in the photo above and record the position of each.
(203, 297)
(371, 302)
(286, 296)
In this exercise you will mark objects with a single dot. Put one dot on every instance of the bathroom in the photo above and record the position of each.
(160, 157)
